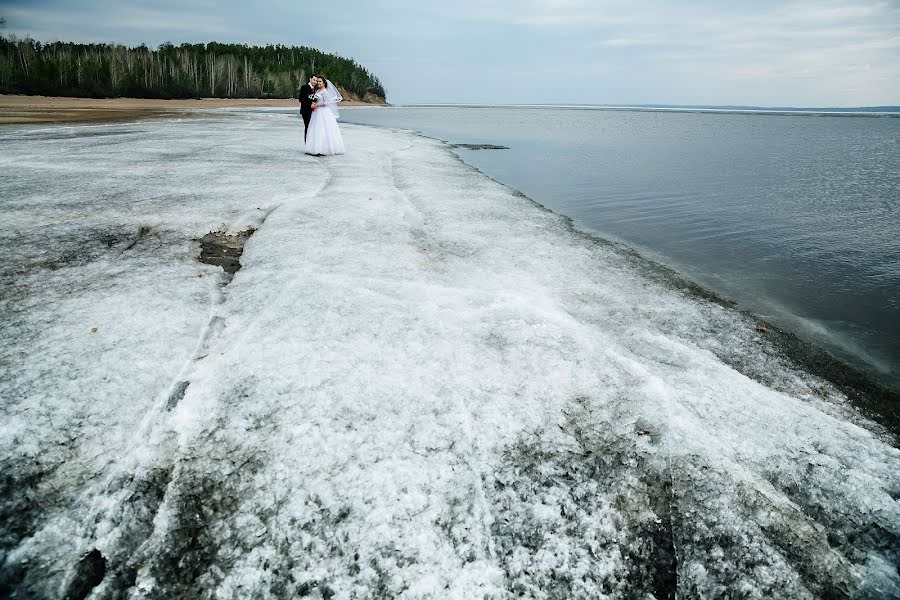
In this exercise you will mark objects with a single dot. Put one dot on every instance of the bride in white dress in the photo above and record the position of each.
(324, 135)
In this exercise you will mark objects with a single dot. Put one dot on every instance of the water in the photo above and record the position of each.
(794, 217)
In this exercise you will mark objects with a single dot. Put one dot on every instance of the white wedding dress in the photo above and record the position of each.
(324, 135)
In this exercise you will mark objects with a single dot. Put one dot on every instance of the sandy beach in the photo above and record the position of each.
(47, 109)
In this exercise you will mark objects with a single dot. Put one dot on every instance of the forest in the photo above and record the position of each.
(210, 70)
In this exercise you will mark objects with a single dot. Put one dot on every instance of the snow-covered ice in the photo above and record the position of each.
(420, 384)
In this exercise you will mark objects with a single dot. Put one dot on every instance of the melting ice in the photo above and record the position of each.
(419, 384)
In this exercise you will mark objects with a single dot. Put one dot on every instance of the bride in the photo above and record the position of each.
(324, 135)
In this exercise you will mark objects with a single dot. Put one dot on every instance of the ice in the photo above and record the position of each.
(419, 384)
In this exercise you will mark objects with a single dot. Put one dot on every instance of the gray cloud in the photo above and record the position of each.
(831, 52)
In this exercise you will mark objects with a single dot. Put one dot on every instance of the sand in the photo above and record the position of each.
(47, 109)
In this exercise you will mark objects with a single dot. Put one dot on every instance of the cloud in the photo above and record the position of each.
(150, 20)
(113, 18)
(696, 51)
(646, 39)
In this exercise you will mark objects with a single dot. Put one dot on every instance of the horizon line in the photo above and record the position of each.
(876, 107)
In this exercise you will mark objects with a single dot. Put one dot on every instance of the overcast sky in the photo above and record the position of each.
(804, 53)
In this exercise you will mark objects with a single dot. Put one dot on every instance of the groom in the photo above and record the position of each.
(306, 105)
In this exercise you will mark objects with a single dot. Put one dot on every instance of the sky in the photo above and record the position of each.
(764, 53)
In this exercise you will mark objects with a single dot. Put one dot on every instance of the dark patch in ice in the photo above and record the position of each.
(61, 260)
(200, 503)
(224, 250)
(309, 587)
(89, 572)
(855, 532)
(111, 238)
(11, 577)
(215, 524)
(72, 133)
(202, 541)
(587, 519)
(17, 502)
(177, 395)
(142, 231)
(480, 146)
(120, 561)
(327, 534)
(146, 493)
(194, 549)
(600, 508)
(25, 500)
(90, 133)
(77, 247)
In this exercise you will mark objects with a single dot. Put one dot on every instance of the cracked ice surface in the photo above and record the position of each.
(420, 384)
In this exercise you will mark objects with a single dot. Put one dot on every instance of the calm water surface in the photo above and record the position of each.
(796, 218)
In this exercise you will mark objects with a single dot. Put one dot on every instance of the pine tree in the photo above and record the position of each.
(186, 71)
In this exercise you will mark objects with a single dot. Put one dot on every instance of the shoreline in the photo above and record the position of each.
(874, 396)
(23, 110)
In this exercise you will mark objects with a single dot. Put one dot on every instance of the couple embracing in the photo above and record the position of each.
(318, 107)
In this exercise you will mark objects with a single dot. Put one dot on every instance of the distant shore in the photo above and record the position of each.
(48, 109)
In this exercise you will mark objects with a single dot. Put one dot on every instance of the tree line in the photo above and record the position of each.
(210, 70)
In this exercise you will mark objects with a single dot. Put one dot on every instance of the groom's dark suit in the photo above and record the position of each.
(305, 106)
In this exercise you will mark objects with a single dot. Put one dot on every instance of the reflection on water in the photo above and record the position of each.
(795, 217)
